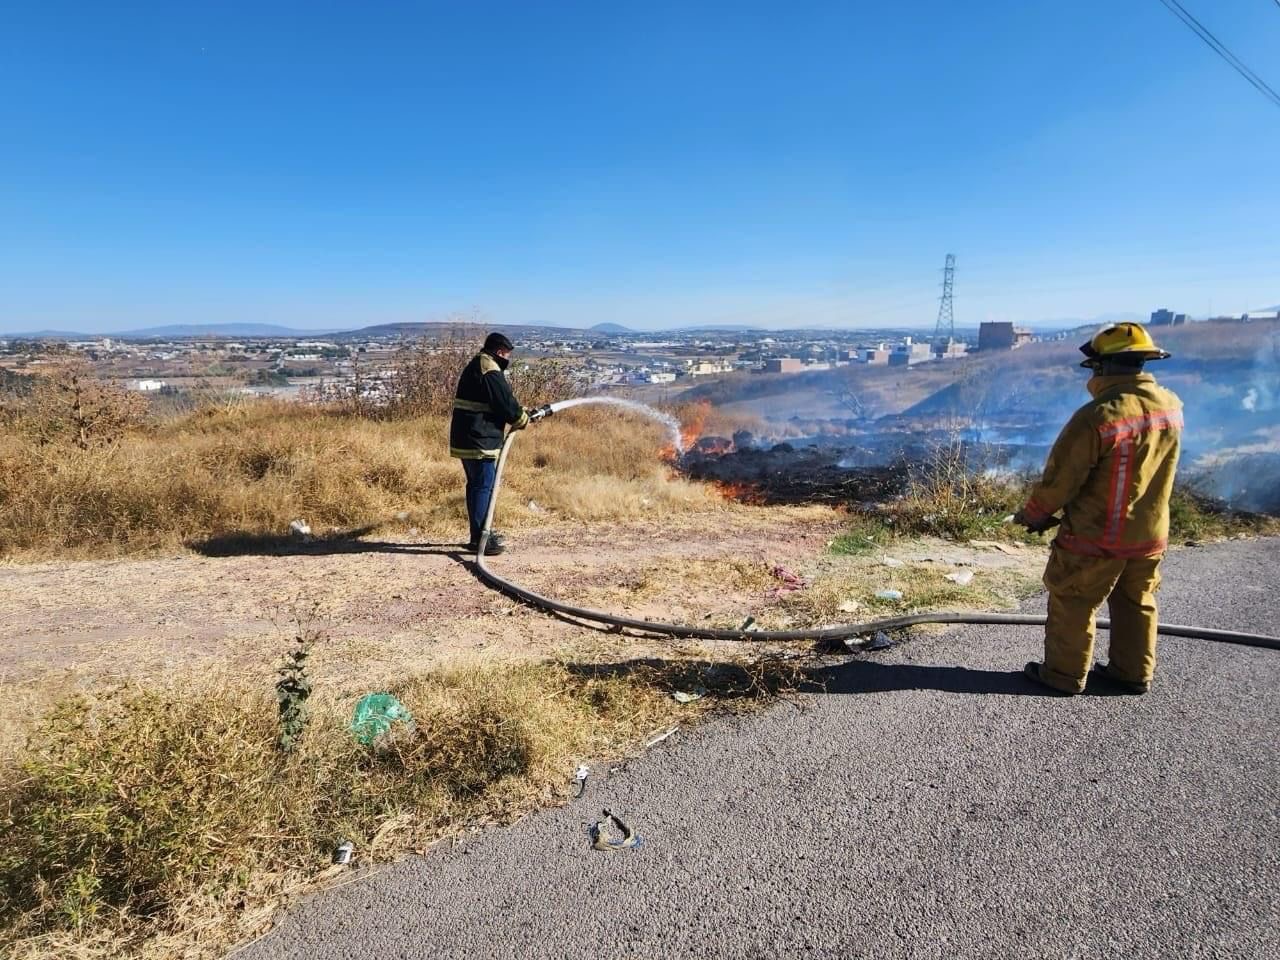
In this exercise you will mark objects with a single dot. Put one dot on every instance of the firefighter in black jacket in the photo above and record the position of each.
(483, 405)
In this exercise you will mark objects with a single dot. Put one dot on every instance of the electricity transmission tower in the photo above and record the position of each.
(946, 329)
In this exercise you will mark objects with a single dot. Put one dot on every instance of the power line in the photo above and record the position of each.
(1218, 47)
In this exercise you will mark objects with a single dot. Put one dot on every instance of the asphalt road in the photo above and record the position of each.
(930, 804)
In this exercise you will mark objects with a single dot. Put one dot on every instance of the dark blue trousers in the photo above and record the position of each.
(480, 477)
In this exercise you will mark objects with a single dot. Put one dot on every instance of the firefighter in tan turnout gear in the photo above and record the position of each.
(1110, 474)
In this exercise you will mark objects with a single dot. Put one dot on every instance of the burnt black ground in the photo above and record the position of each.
(930, 804)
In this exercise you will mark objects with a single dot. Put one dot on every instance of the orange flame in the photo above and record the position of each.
(693, 418)
(739, 492)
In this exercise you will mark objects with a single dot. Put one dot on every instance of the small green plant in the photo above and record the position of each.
(294, 686)
(867, 531)
(292, 690)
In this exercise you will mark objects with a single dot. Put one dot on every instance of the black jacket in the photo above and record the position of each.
(483, 405)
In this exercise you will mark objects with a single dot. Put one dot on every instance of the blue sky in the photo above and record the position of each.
(784, 164)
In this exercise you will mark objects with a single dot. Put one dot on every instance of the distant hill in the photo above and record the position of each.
(218, 330)
(610, 328)
(466, 330)
(175, 331)
(718, 328)
(45, 335)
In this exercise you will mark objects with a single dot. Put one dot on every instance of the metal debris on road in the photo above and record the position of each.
(600, 841)
(880, 641)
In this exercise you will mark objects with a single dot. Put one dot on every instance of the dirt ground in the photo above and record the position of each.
(384, 608)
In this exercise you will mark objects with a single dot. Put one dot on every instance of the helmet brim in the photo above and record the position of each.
(1096, 359)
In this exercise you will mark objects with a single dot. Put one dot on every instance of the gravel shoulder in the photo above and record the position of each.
(929, 803)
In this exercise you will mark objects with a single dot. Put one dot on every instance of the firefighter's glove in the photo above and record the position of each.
(1035, 526)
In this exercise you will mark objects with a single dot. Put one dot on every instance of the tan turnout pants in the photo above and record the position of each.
(1077, 587)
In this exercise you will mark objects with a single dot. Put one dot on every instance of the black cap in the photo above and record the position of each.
(498, 341)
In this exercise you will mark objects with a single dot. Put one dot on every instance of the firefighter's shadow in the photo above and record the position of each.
(859, 676)
(244, 544)
(870, 676)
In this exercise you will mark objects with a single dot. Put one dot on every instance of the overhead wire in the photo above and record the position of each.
(1218, 47)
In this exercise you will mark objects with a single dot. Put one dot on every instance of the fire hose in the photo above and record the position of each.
(834, 633)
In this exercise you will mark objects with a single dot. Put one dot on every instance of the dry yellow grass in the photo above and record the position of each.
(151, 821)
(250, 469)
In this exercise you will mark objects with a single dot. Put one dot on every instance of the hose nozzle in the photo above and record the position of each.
(542, 411)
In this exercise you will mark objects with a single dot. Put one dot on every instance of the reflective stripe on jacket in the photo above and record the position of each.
(483, 405)
(1111, 470)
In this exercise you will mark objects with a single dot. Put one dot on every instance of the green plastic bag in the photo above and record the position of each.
(374, 716)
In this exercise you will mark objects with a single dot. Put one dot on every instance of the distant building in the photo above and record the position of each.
(1002, 336)
(661, 377)
(909, 353)
(1167, 318)
(952, 350)
(877, 356)
(783, 365)
(704, 368)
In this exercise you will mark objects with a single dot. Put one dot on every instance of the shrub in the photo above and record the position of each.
(946, 498)
(72, 407)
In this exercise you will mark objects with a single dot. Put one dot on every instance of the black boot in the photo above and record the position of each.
(1103, 672)
(495, 546)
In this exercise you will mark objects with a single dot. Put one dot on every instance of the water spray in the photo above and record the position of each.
(839, 632)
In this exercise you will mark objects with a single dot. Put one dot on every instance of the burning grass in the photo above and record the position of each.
(149, 821)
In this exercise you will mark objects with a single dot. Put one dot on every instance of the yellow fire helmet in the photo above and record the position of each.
(1121, 339)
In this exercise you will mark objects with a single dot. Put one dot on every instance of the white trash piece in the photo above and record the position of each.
(888, 594)
(300, 528)
(961, 577)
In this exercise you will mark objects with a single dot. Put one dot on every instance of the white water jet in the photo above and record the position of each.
(671, 423)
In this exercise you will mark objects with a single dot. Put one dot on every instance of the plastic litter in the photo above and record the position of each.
(849, 606)
(961, 577)
(343, 852)
(601, 841)
(580, 780)
(880, 641)
(888, 594)
(375, 715)
(300, 528)
(790, 579)
(660, 737)
(697, 693)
